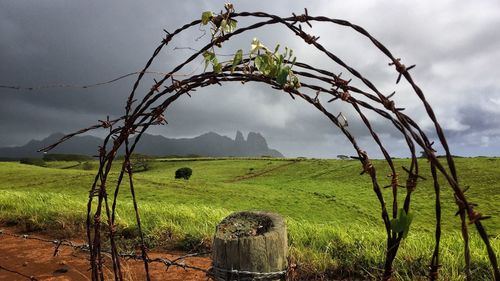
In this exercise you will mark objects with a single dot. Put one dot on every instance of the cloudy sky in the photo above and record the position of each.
(455, 45)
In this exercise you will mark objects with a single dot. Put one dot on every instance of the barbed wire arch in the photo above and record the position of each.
(149, 111)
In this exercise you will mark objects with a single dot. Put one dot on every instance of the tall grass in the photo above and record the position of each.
(333, 217)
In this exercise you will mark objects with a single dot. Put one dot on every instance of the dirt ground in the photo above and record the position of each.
(35, 258)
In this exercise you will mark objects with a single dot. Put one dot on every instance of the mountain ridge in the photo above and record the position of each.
(208, 144)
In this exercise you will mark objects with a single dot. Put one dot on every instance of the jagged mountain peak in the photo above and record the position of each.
(239, 138)
(208, 144)
(256, 140)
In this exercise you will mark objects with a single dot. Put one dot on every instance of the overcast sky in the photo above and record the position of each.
(455, 45)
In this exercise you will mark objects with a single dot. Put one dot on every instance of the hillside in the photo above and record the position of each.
(333, 216)
(210, 144)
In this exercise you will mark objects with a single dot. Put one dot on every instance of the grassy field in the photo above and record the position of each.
(335, 228)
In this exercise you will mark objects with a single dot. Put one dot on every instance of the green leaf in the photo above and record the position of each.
(402, 223)
(237, 59)
(228, 26)
(259, 62)
(231, 26)
(265, 64)
(272, 71)
(206, 17)
(223, 24)
(209, 58)
(294, 81)
(282, 76)
(217, 67)
(409, 219)
(209, 55)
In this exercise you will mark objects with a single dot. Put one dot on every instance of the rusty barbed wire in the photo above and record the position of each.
(176, 262)
(86, 86)
(139, 116)
(32, 278)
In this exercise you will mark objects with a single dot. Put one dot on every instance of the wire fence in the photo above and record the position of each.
(321, 83)
(74, 86)
(32, 278)
(168, 263)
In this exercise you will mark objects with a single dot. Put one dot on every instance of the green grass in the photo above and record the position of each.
(332, 213)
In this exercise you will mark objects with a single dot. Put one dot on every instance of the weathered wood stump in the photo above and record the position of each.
(250, 246)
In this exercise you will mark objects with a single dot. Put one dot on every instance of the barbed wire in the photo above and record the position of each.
(245, 275)
(32, 278)
(177, 262)
(149, 111)
(86, 86)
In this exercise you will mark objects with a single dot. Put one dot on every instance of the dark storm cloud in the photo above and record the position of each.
(480, 118)
(75, 42)
(477, 119)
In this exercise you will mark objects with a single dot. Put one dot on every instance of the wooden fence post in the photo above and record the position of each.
(250, 246)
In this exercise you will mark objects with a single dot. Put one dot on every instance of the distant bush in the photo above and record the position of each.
(183, 173)
(171, 156)
(193, 156)
(66, 157)
(87, 166)
(140, 162)
(33, 161)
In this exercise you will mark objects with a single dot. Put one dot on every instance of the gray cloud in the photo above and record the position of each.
(454, 45)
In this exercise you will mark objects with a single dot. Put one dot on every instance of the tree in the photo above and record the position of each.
(140, 162)
(423, 154)
(183, 173)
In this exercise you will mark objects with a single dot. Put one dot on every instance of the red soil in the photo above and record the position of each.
(35, 258)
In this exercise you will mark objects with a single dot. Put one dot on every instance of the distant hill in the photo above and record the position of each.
(209, 144)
